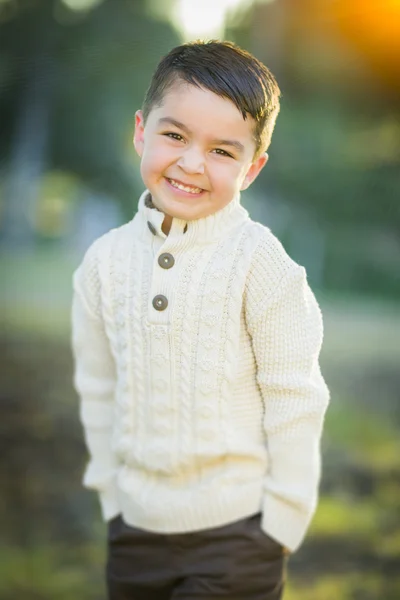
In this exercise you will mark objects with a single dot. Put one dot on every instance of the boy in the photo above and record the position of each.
(196, 341)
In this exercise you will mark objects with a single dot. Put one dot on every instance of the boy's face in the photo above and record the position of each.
(197, 152)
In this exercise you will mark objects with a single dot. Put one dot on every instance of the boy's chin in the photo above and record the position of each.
(183, 215)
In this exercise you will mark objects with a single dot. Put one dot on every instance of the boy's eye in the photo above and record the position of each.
(174, 136)
(222, 152)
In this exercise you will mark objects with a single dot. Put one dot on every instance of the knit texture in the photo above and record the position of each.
(212, 409)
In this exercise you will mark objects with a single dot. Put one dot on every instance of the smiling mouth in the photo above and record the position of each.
(185, 188)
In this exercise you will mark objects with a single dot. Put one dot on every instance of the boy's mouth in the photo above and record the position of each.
(185, 188)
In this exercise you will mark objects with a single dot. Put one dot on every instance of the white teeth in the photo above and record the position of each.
(185, 188)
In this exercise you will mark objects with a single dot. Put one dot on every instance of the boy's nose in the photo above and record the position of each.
(192, 161)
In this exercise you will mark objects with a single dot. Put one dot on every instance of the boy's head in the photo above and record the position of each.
(206, 122)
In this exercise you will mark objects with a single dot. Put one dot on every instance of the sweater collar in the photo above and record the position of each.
(201, 230)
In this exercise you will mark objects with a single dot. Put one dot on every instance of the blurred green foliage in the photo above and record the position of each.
(89, 72)
(71, 81)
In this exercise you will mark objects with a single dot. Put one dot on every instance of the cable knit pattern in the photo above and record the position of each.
(211, 408)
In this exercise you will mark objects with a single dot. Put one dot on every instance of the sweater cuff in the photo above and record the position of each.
(284, 522)
(109, 502)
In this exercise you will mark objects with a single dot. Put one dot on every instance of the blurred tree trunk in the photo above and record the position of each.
(28, 153)
(268, 35)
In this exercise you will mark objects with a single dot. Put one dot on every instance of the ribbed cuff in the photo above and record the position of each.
(284, 522)
(109, 502)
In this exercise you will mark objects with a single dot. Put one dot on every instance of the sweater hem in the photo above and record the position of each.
(205, 511)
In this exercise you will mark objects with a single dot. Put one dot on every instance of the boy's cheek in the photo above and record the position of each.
(151, 168)
(159, 162)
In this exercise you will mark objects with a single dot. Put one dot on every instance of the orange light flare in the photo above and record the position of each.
(373, 27)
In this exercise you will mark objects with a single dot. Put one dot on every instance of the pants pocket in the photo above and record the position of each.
(263, 539)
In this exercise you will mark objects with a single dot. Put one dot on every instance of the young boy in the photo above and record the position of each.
(196, 341)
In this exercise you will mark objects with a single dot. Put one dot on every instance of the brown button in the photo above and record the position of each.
(160, 302)
(151, 227)
(166, 260)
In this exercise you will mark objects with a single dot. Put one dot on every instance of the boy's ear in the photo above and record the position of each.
(254, 170)
(138, 138)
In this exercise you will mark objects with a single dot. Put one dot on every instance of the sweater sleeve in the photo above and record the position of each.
(286, 328)
(94, 380)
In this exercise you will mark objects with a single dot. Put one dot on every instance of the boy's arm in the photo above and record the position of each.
(287, 332)
(94, 381)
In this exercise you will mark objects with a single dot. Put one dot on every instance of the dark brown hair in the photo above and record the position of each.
(229, 72)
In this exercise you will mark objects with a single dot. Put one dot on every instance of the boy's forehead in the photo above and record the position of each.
(186, 96)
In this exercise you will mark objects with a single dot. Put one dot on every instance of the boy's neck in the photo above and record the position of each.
(166, 226)
(207, 228)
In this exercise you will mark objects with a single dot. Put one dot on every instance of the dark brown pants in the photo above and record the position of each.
(236, 561)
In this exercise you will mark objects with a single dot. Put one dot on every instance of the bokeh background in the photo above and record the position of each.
(72, 74)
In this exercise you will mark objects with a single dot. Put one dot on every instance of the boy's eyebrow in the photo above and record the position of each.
(234, 143)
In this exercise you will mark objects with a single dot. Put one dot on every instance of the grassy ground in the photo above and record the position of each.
(55, 539)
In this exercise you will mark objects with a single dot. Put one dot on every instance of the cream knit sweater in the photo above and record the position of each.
(207, 407)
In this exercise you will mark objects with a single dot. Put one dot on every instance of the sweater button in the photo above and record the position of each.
(166, 260)
(160, 302)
